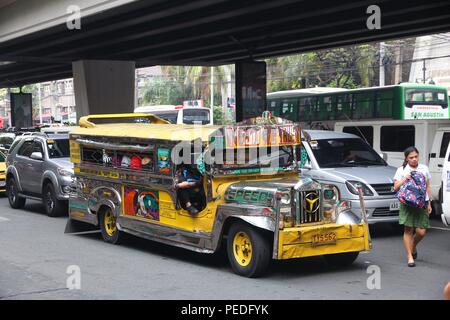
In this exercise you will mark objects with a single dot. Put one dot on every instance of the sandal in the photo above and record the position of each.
(414, 255)
(411, 264)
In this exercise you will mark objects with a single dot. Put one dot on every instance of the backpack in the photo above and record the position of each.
(413, 192)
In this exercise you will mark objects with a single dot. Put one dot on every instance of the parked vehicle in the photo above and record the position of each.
(261, 207)
(39, 168)
(391, 138)
(3, 154)
(446, 188)
(179, 114)
(343, 160)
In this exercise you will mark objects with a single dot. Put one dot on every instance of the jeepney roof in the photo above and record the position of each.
(173, 132)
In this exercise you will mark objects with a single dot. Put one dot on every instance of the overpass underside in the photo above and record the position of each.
(210, 32)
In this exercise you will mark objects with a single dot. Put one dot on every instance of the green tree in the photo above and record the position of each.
(163, 91)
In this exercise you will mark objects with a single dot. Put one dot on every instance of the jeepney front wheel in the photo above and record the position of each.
(341, 259)
(108, 225)
(248, 250)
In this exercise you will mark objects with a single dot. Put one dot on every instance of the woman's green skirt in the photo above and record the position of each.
(414, 217)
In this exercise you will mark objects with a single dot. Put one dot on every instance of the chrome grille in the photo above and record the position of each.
(384, 212)
(384, 189)
(308, 206)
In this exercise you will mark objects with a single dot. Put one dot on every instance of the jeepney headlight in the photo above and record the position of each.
(330, 202)
(285, 199)
(286, 217)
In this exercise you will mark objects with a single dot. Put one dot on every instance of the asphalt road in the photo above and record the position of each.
(35, 255)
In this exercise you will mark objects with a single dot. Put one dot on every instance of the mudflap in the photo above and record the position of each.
(78, 227)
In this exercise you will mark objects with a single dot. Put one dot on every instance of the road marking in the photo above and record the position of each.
(437, 228)
(4, 219)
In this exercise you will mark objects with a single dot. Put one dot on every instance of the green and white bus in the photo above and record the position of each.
(321, 107)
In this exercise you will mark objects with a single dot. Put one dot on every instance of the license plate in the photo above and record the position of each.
(324, 238)
(394, 206)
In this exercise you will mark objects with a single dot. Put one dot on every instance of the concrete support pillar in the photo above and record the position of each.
(251, 89)
(103, 86)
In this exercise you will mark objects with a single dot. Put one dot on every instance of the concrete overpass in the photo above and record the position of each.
(38, 45)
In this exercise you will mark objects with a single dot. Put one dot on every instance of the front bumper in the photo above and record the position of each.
(297, 242)
(377, 210)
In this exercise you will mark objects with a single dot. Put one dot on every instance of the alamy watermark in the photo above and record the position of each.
(73, 21)
(73, 281)
(374, 280)
(374, 20)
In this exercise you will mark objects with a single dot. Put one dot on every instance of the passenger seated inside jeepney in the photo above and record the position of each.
(189, 189)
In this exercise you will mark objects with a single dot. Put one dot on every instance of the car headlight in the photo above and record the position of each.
(353, 188)
(65, 172)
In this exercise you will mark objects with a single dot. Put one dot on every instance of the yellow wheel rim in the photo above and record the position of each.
(242, 249)
(110, 223)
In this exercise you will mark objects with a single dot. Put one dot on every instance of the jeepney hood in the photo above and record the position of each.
(264, 192)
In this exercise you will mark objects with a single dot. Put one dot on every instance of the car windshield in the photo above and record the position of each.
(350, 152)
(193, 116)
(58, 148)
(425, 95)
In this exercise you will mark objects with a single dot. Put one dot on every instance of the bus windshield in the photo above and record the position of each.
(353, 152)
(196, 116)
(425, 96)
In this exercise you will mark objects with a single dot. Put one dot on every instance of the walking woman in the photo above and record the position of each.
(413, 218)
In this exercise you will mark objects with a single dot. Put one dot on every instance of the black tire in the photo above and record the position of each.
(341, 259)
(260, 250)
(437, 209)
(53, 207)
(107, 226)
(12, 191)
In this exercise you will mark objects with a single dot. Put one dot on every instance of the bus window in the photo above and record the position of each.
(288, 109)
(365, 132)
(363, 105)
(397, 138)
(306, 107)
(327, 112)
(343, 106)
(425, 95)
(384, 103)
(274, 107)
(171, 116)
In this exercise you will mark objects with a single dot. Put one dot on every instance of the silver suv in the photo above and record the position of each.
(344, 160)
(39, 168)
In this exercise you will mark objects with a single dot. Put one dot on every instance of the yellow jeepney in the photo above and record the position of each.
(255, 202)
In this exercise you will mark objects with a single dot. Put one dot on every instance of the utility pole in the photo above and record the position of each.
(424, 69)
(40, 105)
(212, 90)
(382, 78)
(398, 65)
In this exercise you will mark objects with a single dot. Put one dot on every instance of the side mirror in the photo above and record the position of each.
(36, 156)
